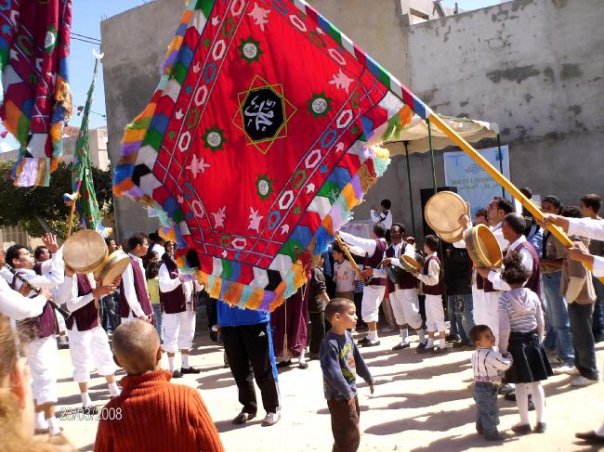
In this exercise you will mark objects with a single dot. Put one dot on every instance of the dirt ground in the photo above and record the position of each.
(420, 403)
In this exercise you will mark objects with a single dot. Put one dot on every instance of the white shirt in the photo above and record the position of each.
(157, 248)
(167, 284)
(359, 246)
(69, 293)
(382, 217)
(487, 364)
(6, 275)
(18, 307)
(527, 263)
(431, 279)
(586, 227)
(128, 286)
(344, 276)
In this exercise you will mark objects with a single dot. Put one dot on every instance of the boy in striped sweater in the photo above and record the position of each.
(487, 365)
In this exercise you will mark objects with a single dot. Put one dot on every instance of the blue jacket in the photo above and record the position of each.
(233, 316)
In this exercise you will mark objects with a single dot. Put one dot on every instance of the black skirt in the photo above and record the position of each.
(530, 361)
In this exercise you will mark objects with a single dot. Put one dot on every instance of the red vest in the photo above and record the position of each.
(42, 326)
(437, 289)
(534, 281)
(86, 317)
(123, 309)
(374, 261)
(406, 280)
(173, 302)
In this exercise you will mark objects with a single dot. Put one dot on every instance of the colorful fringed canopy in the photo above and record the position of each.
(254, 145)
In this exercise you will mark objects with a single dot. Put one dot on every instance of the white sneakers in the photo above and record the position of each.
(271, 419)
(582, 381)
(566, 369)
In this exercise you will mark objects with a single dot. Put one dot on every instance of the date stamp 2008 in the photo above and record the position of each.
(90, 414)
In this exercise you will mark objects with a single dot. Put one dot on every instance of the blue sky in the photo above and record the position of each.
(87, 16)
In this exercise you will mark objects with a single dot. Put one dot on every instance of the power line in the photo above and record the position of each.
(87, 42)
(85, 37)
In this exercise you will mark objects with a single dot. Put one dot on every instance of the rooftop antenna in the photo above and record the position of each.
(438, 8)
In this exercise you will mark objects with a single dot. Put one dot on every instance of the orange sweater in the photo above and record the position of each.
(153, 414)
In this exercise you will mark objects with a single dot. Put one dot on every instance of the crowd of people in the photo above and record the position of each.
(537, 315)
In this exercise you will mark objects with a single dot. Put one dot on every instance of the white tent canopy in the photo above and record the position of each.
(416, 135)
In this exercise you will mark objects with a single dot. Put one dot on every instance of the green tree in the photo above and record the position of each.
(25, 205)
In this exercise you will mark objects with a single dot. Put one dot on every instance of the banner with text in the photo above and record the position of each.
(472, 182)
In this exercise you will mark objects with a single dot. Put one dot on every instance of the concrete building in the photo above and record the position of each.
(532, 66)
(97, 140)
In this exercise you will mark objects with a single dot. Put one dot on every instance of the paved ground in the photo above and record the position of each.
(420, 403)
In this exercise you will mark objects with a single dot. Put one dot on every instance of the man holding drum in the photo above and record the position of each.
(404, 297)
(485, 296)
(89, 341)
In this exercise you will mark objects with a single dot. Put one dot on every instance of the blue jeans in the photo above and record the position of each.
(487, 411)
(460, 309)
(157, 312)
(583, 339)
(109, 318)
(557, 312)
(598, 316)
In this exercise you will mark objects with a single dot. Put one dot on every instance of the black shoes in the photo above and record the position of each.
(590, 437)
(540, 427)
(189, 370)
(521, 429)
(365, 342)
(401, 346)
(243, 417)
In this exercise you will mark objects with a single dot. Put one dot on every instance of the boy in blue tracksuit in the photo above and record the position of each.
(248, 344)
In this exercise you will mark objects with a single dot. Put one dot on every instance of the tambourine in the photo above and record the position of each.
(483, 247)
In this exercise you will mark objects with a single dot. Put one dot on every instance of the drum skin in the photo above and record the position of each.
(442, 212)
(84, 251)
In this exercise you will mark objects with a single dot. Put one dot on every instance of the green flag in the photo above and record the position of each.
(81, 171)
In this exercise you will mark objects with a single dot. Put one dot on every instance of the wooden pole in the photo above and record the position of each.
(500, 178)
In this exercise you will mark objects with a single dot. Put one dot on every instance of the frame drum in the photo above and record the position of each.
(452, 237)
(442, 212)
(410, 264)
(482, 247)
(84, 251)
(113, 267)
